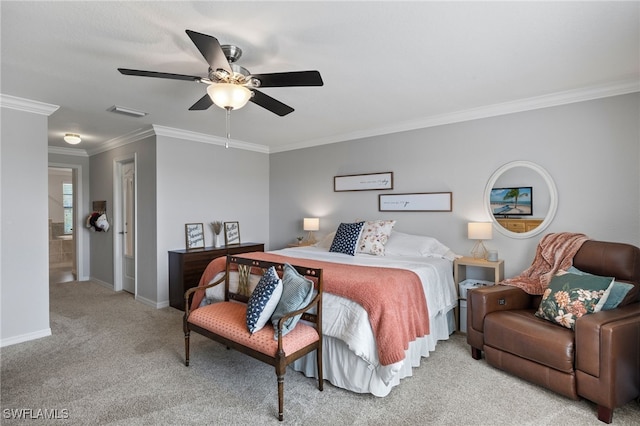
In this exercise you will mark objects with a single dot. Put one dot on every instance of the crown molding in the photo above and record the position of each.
(125, 139)
(26, 105)
(528, 104)
(68, 151)
(213, 140)
(156, 130)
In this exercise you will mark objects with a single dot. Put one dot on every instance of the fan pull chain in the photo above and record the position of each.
(226, 144)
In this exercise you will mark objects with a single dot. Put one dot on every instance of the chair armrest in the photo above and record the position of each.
(189, 293)
(484, 300)
(596, 342)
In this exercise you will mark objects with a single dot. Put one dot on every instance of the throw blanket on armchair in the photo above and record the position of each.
(554, 252)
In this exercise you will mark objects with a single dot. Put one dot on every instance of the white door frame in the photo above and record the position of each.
(116, 226)
(77, 208)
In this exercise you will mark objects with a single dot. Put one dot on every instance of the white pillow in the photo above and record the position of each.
(325, 242)
(401, 244)
(375, 234)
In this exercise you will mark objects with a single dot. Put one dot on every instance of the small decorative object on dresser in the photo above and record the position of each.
(217, 229)
(231, 233)
(194, 235)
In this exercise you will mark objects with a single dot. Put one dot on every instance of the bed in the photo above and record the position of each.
(351, 359)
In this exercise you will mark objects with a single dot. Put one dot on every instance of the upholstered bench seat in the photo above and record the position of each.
(522, 334)
(228, 319)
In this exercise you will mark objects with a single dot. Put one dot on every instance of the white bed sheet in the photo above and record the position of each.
(350, 358)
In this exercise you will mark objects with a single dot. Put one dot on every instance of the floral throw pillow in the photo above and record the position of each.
(375, 234)
(571, 296)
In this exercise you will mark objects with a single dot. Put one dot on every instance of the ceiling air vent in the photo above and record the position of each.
(127, 111)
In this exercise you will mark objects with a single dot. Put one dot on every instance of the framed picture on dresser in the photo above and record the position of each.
(231, 233)
(194, 235)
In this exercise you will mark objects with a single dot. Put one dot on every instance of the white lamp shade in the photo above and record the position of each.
(72, 138)
(311, 224)
(480, 230)
(228, 95)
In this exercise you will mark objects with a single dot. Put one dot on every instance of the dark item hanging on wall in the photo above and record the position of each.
(97, 221)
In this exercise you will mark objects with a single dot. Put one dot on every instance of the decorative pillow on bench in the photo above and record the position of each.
(297, 292)
(263, 300)
(570, 296)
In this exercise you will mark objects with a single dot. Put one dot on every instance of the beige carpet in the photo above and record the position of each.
(112, 360)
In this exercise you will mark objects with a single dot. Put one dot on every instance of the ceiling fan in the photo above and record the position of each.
(231, 86)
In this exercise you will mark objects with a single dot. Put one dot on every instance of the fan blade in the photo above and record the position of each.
(288, 79)
(203, 103)
(126, 71)
(211, 50)
(267, 102)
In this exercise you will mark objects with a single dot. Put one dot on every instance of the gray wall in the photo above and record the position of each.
(200, 183)
(591, 149)
(102, 243)
(24, 241)
(179, 181)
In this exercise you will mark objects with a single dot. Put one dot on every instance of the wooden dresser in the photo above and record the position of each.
(519, 225)
(186, 267)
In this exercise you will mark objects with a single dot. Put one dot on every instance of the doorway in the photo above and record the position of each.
(62, 217)
(125, 220)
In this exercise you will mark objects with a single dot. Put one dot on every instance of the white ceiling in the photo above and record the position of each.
(386, 66)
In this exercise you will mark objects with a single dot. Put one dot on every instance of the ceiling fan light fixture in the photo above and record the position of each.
(72, 138)
(228, 95)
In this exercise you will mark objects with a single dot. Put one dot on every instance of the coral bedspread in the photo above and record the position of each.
(397, 317)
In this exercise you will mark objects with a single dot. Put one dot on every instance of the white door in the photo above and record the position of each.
(127, 227)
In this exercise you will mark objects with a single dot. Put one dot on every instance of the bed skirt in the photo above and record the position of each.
(342, 368)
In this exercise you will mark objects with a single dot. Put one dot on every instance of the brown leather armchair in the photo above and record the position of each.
(598, 361)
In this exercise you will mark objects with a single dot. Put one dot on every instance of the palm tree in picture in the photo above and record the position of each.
(515, 194)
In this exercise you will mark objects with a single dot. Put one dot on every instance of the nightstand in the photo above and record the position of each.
(460, 266)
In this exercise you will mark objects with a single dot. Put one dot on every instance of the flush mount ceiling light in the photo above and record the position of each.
(72, 138)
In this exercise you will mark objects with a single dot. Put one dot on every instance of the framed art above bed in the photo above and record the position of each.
(364, 182)
(416, 202)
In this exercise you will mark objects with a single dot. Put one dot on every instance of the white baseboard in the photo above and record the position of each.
(153, 304)
(102, 283)
(25, 337)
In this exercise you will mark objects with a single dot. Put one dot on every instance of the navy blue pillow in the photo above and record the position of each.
(263, 300)
(347, 237)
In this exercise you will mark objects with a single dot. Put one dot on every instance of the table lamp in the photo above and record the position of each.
(311, 224)
(479, 231)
